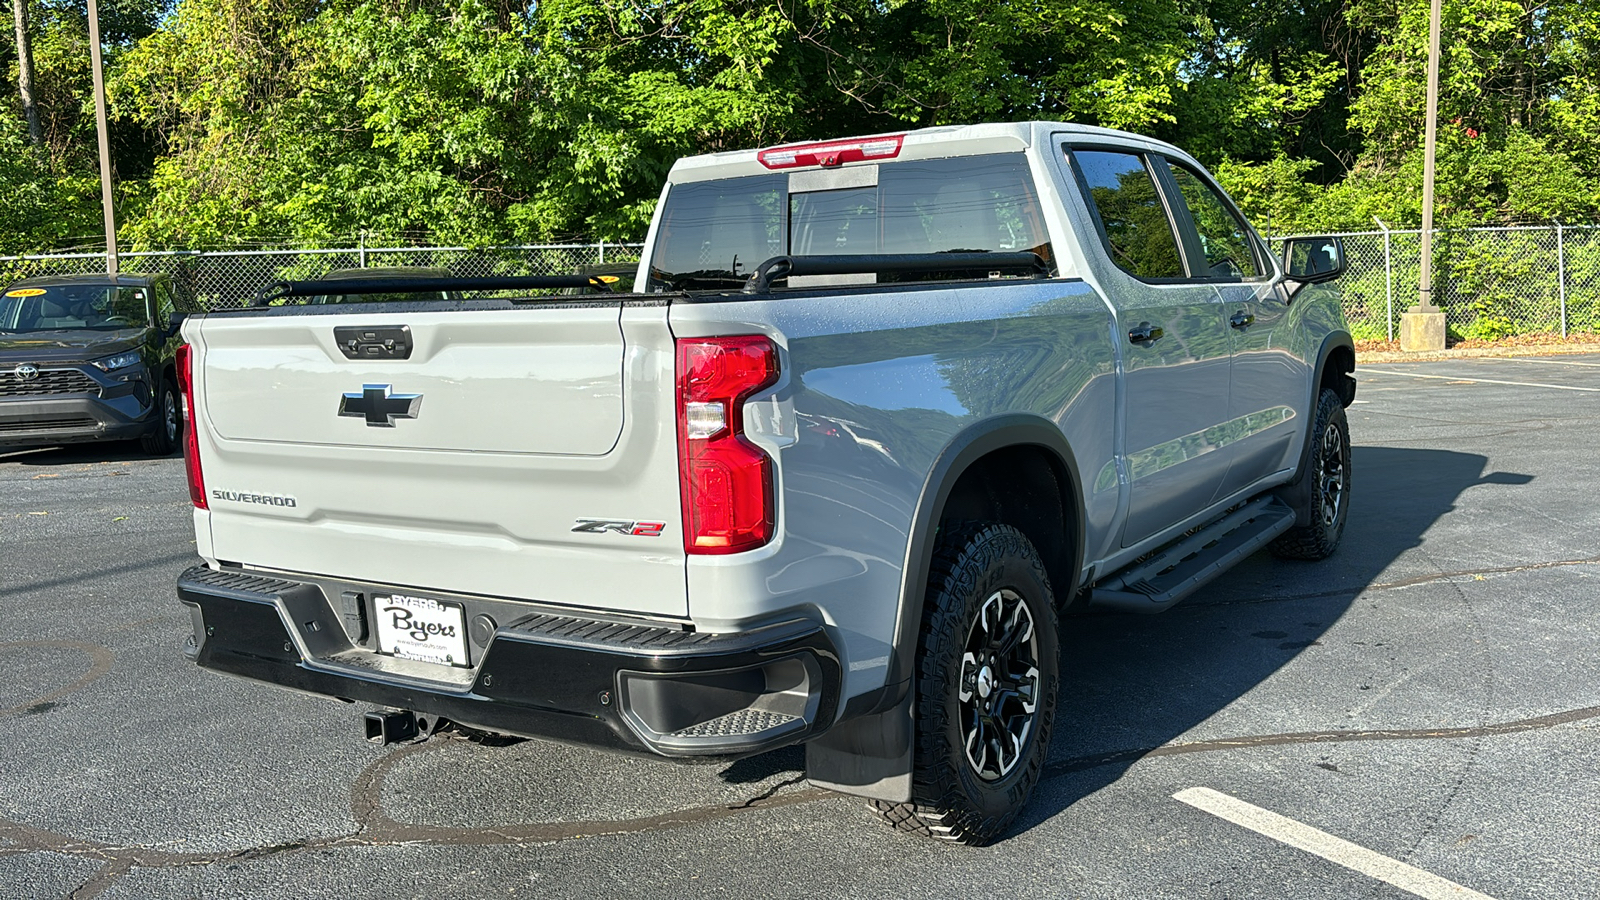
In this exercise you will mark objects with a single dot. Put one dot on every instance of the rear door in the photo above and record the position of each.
(1176, 352)
(1269, 380)
(460, 447)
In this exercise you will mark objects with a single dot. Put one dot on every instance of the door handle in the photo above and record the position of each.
(1144, 334)
(1242, 320)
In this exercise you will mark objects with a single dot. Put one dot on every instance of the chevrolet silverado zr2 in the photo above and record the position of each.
(878, 417)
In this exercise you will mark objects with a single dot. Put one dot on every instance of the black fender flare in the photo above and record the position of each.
(977, 441)
(869, 751)
(1332, 342)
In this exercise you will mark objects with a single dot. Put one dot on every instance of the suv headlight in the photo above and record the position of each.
(120, 361)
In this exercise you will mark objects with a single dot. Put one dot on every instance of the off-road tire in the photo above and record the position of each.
(1324, 485)
(973, 565)
(163, 439)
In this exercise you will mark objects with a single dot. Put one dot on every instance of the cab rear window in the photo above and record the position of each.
(714, 234)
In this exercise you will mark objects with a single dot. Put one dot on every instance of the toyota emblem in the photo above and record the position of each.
(26, 372)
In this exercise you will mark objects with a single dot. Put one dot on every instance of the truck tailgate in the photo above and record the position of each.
(464, 466)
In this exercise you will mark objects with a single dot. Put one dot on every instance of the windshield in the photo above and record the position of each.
(715, 233)
(73, 307)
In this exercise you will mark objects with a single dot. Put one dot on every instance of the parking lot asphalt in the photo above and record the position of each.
(1430, 694)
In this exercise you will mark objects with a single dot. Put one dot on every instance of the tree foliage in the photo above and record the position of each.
(488, 121)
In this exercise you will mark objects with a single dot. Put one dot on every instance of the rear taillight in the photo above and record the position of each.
(191, 440)
(728, 503)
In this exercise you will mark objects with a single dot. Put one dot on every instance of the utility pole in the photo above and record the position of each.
(1422, 326)
(30, 106)
(105, 143)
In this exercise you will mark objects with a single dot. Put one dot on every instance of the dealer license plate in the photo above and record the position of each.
(421, 628)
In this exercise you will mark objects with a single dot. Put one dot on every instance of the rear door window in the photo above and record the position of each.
(1129, 210)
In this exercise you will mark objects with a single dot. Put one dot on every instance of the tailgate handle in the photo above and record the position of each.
(374, 341)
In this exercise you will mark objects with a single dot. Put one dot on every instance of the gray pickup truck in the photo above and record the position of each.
(880, 414)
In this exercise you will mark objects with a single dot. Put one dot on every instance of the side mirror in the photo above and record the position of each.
(174, 322)
(1313, 260)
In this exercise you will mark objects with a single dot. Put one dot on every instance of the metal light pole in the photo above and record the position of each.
(105, 143)
(1429, 150)
(1422, 326)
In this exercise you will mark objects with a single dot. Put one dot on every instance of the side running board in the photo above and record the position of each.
(1153, 585)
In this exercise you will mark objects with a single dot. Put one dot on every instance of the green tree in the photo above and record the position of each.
(1519, 124)
(56, 181)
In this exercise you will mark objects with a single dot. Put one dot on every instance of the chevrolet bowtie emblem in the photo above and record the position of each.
(379, 407)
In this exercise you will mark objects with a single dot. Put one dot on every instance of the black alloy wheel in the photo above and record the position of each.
(1323, 488)
(986, 686)
(999, 693)
(1332, 453)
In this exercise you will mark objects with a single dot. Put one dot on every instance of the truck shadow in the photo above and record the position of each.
(1131, 684)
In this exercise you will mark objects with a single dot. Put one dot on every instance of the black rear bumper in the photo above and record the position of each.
(620, 686)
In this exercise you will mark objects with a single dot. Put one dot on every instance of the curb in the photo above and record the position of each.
(1390, 356)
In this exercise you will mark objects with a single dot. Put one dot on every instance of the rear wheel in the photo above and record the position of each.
(163, 439)
(1325, 486)
(986, 686)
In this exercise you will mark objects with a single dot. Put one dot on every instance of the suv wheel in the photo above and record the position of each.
(163, 439)
(986, 686)
(1327, 493)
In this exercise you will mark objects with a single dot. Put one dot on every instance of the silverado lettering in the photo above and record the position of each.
(262, 499)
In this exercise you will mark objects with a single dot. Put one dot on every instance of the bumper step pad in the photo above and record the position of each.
(743, 722)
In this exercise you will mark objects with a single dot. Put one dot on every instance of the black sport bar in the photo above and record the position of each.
(340, 286)
(784, 266)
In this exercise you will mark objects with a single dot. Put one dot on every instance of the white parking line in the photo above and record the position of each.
(1336, 850)
(1548, 362)
(1554, 387)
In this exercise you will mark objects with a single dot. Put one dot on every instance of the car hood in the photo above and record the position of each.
(78, 344)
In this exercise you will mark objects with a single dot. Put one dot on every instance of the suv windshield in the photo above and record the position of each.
(715, 233)
(71, 307)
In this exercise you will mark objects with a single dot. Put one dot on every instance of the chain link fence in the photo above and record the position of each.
(1492, 283)
(231, 279)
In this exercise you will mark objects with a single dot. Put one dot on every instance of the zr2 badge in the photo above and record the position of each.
(619, 526)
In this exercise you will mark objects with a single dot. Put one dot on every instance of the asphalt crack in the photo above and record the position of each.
(1073, 764)
(375, 828)
(100, 662)
(1475, 631)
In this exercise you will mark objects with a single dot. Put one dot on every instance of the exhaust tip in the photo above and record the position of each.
(390, 726)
